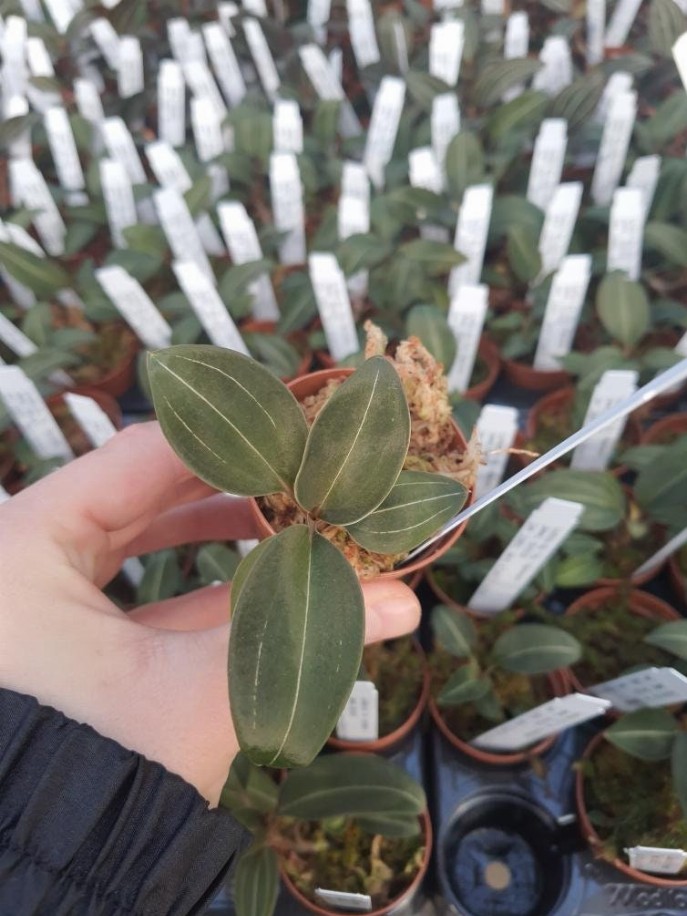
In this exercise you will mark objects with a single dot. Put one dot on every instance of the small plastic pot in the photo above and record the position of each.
(310, 384)
(638, 602)
(392, 907)
(593, 839)
(673, 425)
(531, 379)
(488, 352)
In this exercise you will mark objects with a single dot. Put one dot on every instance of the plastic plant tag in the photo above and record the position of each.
(360, 719)
(657, 860)
(618, 82)
(29, 411)
(596, 31)
(180, 230)
(446, 40)
(40, 64)
(547, 161)
(614, 145)
(32, 10)
(680, 58)
(624, 15)
(559, 222)
(208, 306)
(538, 539)
(496, 429)
(644, 176)
(171, 103)
(287, 206)
(65, 155)
(345, 901)
(361, 27)
(133, 570)
(335, 60)
(424, 169)
(4, 495)
(31, 189)
(287, 127)
(244, 547)
(15, 339)
(557, 70)
(14, 70)
(563, 308)
(327, 84)
(120, 145)
(241, 238)
(474, 217)
(318, 17)
(135, 306)
(658, 559)
(20, 146)
(515, 45)
(91, 418)
(466, 316)
(649, 688)
(542, 722)
(626, 232)
(62, 12)
(224, 63)
(178, 31)
(88, 103)
(355, 182)
(262, 57)
(613, 387)
(381, 134)
(167, 167)
(202, 84)
(106, 38)
(333, 305)
(209, 141)
(129, 67)
(445, 123)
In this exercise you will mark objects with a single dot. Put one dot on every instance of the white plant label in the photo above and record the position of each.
(614, 145)
(496, 428)
(287, 127)
(345, 901)
(381, 135)
(596, 31)
(532, 547)
(106, 38)
(178, 31)
(515, 45)
(4, 495)
(65, 155)
(474, 217)
(492, 7)
(614, 386)
(32, 10)
(224, 63)
(361, 27)
(208, 306)
(88, 103)
(14, 69)
(135, 306)
(335, 59)
(262, 57)
(547, 161)
(327, 85)
(621, 22)
(657, 860)
(255, 8)
(659, 558)
(287, 206)
(182, 235)
(245, 547)
(646, 689)
(242, 241)
(424, 170)
(91, 418)
(445, 123)
(133, 570)
(541, 722)
(626, 232)
(31, 189)
(355, 182)
(353, 217)
(120, 146)
(318, 17)
(333, 305)
(15, 339)
(466, 319)
(360, 719)
(31, 414)
(167, 167)
(618, 83)
(130, 67)
(171, 103)
(644, 176)
(559, 222)
(207, 129)
(202, 84)
(119, 199)
(557, 70)
(40, 64)
(62, 12)
(680, 57)
(563, 308)
(446, 41)
(20, 147)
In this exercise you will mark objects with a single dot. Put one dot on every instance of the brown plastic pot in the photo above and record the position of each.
(638, 602)
(394, 905)
(297, 339)
(310, 384)
(673, 425)
(531, 379)
(394, 738)
(488, 352)
(593, 839)
(558, 688)
(117, 380)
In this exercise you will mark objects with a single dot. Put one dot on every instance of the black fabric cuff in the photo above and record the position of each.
(87, 826)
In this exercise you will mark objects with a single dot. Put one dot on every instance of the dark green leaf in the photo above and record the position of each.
(464, 162)
(524, 113)
(668, 241)
(161, 579)
(578, 570)
(670, 636)
(248, 793)
(216, 563)
(623, 308)
(466, 685)
(360, 252)
(648, 734)
(429, 324)
(666, 23)
(499, 76)
(42, 276)
(256, 883)
(522, 250)
(199, 197)
(536, 648)
(599, 492)
(454, 631)
(436, 258)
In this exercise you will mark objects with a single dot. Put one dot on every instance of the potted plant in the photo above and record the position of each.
(485, 672)
(352, 823)
(328, 485)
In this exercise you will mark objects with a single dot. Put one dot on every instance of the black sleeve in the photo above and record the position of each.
(88, 827)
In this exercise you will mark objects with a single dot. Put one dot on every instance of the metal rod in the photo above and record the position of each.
(663, 382)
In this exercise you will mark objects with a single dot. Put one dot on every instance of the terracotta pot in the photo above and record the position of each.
(310, 384)
(592, 837)
(489, 353)
(640, 603)
(387, 910)
(117, 380)
(558, 688)
(394, 738)
(297, 339)
(673, 425)
(525, 376)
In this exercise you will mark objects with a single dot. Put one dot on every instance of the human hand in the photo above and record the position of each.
(153, 679)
